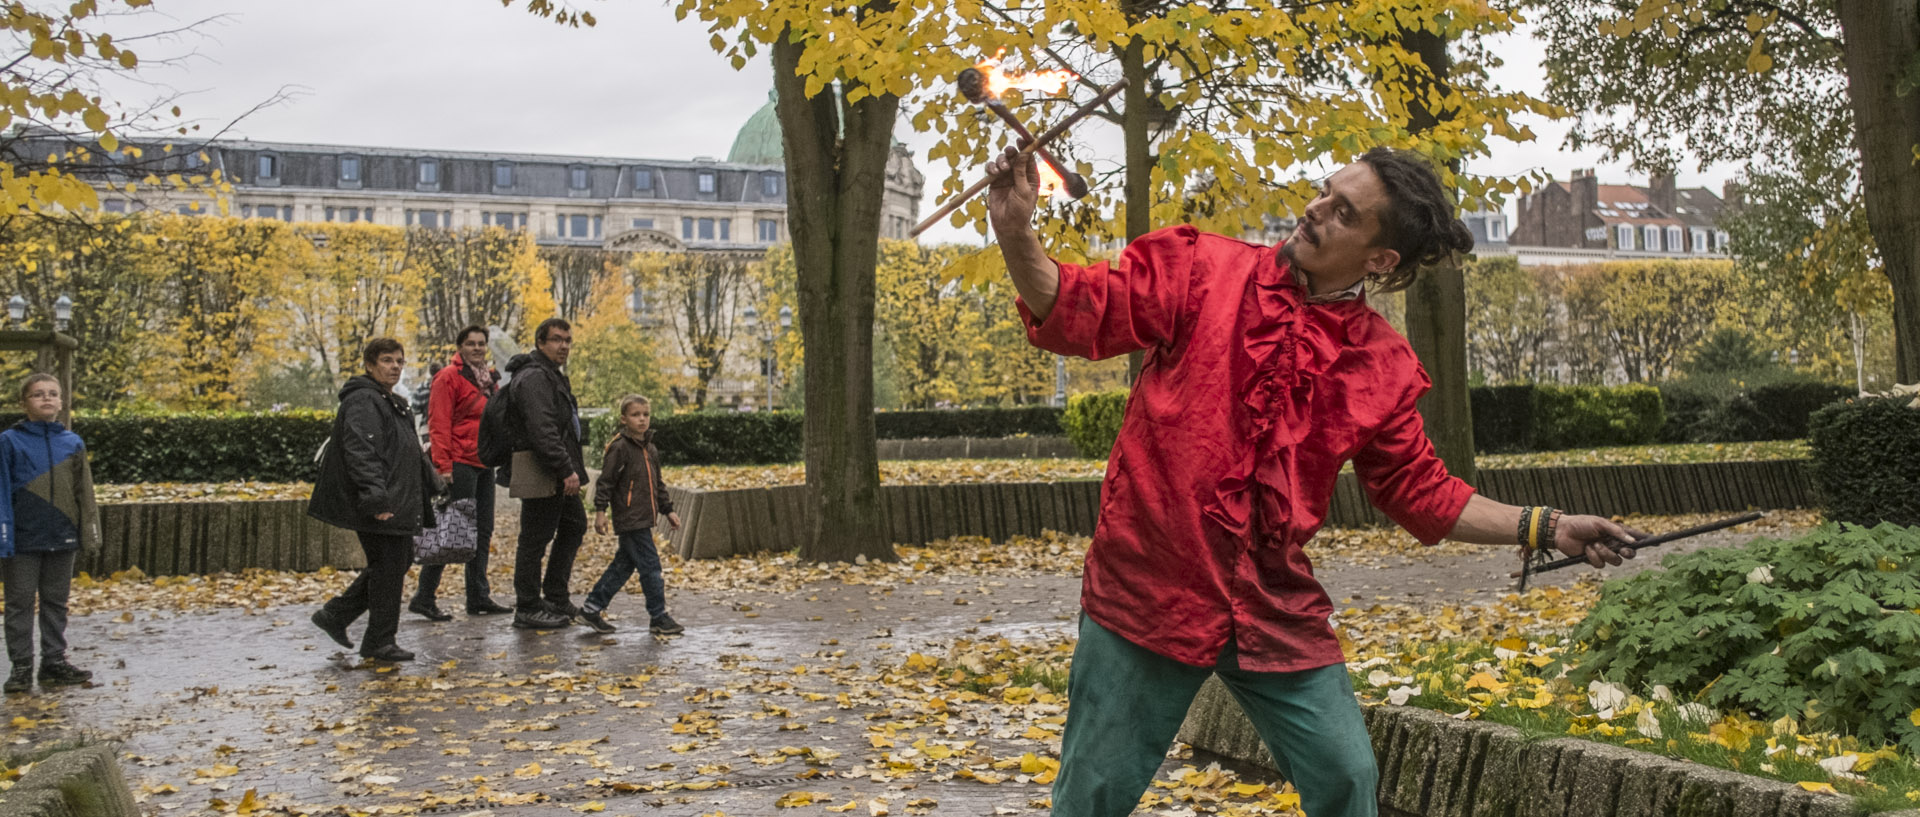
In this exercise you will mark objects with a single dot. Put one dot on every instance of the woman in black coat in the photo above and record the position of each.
(374, 481)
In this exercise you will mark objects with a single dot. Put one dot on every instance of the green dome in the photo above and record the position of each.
(759, 139)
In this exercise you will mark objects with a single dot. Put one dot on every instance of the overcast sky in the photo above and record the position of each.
(471, 75)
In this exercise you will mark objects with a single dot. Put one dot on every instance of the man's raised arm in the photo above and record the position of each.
(1011, 200)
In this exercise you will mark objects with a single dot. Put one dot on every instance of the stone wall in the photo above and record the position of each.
(84, 782)
(176, 538)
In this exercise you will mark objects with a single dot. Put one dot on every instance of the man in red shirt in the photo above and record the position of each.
(1265, 372)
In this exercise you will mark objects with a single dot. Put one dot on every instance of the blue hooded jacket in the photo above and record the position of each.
(47, 505)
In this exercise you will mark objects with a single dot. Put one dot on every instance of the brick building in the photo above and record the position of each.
(1657, 220)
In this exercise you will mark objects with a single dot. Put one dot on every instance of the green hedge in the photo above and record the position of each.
(713, 437)
(1033, 421)
(1715, 413)
(1866, 460)
(1548, 417)
(201, 447)
(1092, 421)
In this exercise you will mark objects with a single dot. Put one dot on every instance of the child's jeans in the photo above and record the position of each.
(49, 576)
(636, 555)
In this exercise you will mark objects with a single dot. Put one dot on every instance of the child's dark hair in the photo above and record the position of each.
(547, 326)
(1419, 222)
(377, 347)
(36, 379)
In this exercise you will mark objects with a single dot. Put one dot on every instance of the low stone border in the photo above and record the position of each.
(83, 782)
(177, 538)
(727, 523)
(978, 448)
(1432, 765)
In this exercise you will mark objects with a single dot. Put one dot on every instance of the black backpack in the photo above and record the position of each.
(495, 444)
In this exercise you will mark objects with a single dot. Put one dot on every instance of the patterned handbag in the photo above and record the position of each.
(453, 541)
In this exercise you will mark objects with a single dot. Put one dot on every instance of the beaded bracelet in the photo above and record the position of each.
(1550, 527)
(1526, 517)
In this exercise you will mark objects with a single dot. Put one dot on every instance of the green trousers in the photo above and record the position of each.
(1126, 703)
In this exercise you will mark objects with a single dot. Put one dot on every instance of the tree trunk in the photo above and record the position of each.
(1881, 39)
(1437, 311)
(833, 210)
(1139, 185)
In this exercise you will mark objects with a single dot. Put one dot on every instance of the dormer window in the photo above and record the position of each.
(1623, 237)
(1673, 240)
(429, 171)
(269, 166)
(770, 184)
(706, 183)
(643, 178)
(349, 168)
(577, 178)
(1721, 241)
(503, 174)
(1650, 238)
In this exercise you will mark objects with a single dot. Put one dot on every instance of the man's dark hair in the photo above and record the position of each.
(548, 325)
(377, 347)
(462, 337)
(1418, 222)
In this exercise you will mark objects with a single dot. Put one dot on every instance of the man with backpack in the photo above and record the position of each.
(457, 401)
(545, 472)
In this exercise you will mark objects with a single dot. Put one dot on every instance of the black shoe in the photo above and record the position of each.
(19, 680)
(597, 622)
(429, 610)
(59, 673)
(391, 652)
(665, 625)
(487, 607)
(541, 619)
(335, 629)
(564, 609)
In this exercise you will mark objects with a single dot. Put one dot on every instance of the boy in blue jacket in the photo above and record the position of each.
(47, 515)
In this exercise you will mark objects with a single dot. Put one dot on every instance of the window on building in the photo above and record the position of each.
(186, 210)
(366, 215)
(1699, 240)
(349, 168)
(430, 219)
(643, 224)
(117, 206)
(1721, 242)
(726, 229)
(769, 230)
(770, 184)
(1496, 230)
(577, 178)
(1673, 240)
(429, 171)
(269, 166)
(329, 214)
(1649, 237)
(246, 211)
(577, 227)
(643, 179)
(286, 214)
(705, 233)
(1623, 237)
(503, 174)
(706, 183)
(686, 229)
(196, 159)
(597, 223)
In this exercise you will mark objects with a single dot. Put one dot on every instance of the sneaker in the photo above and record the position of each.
(597, 622)
(19, 680)
(429, 610)
(487, 607)
(565, 609)
(59, 673)
(538, 620)
(334, 628)
(391, 652)
(665, 625)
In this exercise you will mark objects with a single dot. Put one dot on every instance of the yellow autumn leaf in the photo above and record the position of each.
(590, 807)
(248, 802)
(844, 808)
(527, 772)
(795, 799)
(1818, 788)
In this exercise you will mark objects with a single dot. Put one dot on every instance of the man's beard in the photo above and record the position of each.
(1293, 263)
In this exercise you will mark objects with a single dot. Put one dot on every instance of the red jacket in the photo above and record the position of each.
(1250, 401)
(454, 405)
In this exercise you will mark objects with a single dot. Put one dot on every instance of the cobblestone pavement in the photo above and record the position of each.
(828, 690)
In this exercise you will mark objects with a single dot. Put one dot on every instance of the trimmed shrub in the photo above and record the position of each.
(1866, 460)
(1593, 416)
(1777, 411)
(1093, 420)
(713, 437)
(1503, 418)
(201, 446)
(1036, 421)
(1823, 627)
(1690, 409)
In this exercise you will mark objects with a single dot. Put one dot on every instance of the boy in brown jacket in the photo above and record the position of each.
(630, 484)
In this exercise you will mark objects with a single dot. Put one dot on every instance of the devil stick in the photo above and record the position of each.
(1641, 544)
(973, 86)
(1041, 141)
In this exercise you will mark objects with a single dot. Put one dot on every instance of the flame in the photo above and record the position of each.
(999, 82)
(1050, 182)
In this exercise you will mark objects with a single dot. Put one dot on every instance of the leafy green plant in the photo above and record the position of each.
(1580, 416)
(206, 446)
(1824, 628)
(1093, 420)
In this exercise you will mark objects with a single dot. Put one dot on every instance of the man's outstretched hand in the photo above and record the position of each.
(1012, 196)
(1600, 540)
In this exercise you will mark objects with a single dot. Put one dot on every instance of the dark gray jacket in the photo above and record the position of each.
(546, 418)
(373, 465)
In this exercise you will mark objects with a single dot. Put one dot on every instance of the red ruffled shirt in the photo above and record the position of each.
(1250, 401)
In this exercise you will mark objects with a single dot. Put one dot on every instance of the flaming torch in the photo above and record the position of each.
(984, 83)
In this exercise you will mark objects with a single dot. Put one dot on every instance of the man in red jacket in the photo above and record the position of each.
(1265, 372)
(455, 401)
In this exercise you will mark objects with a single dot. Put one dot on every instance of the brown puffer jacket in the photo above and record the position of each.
(630, 483)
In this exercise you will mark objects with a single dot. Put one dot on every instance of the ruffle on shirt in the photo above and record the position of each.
(1278, 396)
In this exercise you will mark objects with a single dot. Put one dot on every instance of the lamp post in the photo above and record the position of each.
(16, 310)
(54, 350)
(767, 335)
(62, 313)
